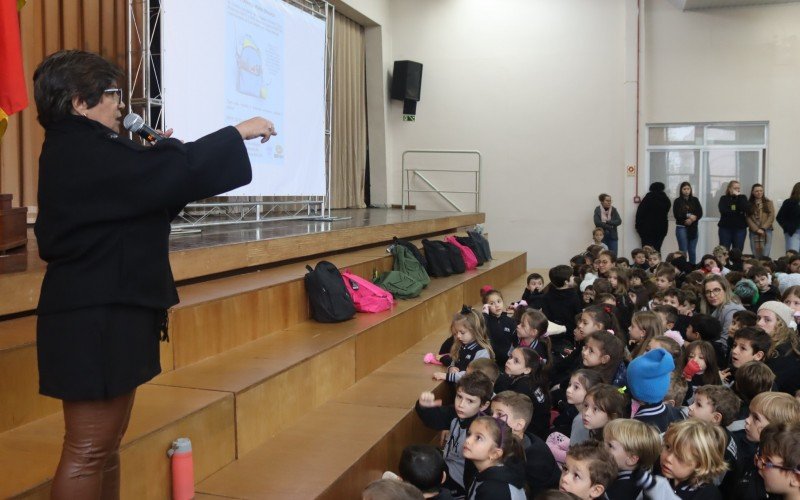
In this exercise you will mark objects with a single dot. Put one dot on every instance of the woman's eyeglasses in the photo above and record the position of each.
(118, 93)
(762, 463)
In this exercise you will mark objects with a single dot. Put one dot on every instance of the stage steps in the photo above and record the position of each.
(349, 441)
(257, 391)
(212, 317)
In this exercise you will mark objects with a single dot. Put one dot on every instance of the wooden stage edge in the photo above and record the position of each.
(231, 248)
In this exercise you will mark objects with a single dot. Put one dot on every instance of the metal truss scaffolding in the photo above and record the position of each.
(144, 88)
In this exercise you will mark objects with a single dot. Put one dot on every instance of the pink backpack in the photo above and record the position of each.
(469, 256)
(368, 297)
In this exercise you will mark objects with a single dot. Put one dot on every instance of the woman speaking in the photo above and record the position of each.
(105, 206)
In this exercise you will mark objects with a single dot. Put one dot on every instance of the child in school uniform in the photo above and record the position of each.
(778, 461)
(500, 327)
(533, 294)
(593, 319)
(541, 470)
(604, 403)
(422, 465)
(473, 395)
(691, 457)
(490, 445)
(648, 382)
(531, 332)
(605, 352)
(635, 447)
(589, 470)
(719, 405)
(752, 378)
(749, 344)
(699, 367)
(470, 343)
(569, 421)
(524, 373)
(766, 408)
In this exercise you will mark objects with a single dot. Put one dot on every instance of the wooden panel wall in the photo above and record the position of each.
(47, 26)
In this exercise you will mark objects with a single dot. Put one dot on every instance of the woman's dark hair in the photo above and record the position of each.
(657, 187)
(685, 183)
(67, 74)
(764, 200)
(602, 197)
(795, 196)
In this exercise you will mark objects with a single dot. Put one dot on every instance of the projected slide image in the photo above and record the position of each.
(225, 61)
(254, 70)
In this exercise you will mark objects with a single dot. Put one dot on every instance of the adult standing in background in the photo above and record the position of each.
(607, 218)
(105, 206)
(651, 216)
(733, 208)
(760, 217)
(789, 219)
(687, 212)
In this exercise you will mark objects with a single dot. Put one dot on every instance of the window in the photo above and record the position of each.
(708, 155)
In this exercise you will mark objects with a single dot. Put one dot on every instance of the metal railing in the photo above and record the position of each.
(408, 174)
(223, 213)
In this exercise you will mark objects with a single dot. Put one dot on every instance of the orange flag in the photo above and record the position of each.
(13, 96)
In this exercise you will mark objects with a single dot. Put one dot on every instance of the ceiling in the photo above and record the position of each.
(715, 4)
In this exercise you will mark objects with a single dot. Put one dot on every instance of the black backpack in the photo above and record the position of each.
(327, 294)
(413, 249)
(482, 243)
(470, 243)
(456, 259)
(438, 259)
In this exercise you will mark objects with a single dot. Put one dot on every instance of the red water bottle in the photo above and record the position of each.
(182, 469)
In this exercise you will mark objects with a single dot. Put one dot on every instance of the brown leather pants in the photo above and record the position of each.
(89, 466)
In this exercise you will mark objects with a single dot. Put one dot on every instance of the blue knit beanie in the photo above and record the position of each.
(649, 376)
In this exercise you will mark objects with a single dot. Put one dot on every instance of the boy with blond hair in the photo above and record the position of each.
(766, 408)
(635, 446)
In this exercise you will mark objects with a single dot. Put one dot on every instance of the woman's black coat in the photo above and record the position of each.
(105, 206)
(651, 218)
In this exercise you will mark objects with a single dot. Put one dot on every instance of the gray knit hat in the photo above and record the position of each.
(781, 310)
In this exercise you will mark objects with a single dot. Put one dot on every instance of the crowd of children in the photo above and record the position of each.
(621, 379)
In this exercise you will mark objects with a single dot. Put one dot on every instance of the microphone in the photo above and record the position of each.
(136, 124)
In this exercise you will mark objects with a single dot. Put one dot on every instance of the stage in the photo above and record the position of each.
(234, 247)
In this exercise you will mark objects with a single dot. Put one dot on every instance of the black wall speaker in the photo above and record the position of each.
(406, 80)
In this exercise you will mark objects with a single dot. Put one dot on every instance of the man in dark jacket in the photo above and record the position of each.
(651, 216)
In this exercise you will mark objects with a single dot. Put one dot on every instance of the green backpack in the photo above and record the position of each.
(407, 277)
(405, 262)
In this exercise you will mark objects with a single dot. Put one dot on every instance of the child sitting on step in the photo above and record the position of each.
(473, 394)
(471, 343)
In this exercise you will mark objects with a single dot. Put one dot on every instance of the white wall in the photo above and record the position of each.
(543, 88)
(537, 86)
(734, 64)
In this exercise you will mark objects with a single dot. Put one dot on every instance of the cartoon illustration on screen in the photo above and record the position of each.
(250, 73)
